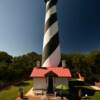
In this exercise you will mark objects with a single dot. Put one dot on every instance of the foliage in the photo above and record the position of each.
(18, 68)
(88, 64)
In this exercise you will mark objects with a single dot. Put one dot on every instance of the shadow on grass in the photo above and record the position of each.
(22, 84)
(7, 88)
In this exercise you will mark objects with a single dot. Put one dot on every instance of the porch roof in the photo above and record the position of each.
(59, 71)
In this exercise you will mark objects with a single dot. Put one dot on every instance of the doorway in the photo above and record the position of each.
(50, 89)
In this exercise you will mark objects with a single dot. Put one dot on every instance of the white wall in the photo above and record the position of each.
(58, 81)
(39, 83)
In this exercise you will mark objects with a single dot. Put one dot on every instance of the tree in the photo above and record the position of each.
(24, 64)
(97, 64)
(5, 61)
(5, 57)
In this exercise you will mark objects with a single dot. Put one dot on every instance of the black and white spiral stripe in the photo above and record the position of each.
(51, 48)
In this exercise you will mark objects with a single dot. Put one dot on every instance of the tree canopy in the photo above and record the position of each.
(18, 68)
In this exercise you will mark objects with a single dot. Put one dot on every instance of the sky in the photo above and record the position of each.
(22, 25)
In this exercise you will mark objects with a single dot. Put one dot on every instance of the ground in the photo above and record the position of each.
(11, 93)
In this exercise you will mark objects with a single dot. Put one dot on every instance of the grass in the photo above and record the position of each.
(12, 92)
(96, 96)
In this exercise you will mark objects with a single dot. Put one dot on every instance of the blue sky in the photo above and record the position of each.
(22, 25)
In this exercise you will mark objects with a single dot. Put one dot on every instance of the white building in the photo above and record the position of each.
(46, 79)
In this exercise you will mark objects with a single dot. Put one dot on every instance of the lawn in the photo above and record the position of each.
(96, 96)
(11, 92)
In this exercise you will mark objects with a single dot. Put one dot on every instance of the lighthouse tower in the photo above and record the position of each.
(49, 75)
(51, 48)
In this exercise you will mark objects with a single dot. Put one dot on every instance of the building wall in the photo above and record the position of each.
(39, 83)
(58, 81)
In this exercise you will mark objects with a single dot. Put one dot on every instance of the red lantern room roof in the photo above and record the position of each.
(59, 71)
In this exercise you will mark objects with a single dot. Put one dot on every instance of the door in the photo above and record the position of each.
(50, 85)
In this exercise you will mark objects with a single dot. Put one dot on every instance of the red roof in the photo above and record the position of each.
(59, 71)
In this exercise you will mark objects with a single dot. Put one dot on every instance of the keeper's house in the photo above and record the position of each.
(48, 78)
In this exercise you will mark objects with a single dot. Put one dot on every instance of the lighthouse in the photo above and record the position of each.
(51, 47)
(47, 76)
